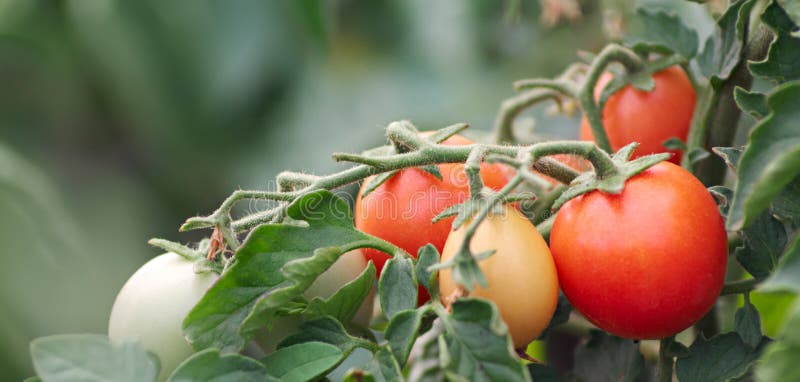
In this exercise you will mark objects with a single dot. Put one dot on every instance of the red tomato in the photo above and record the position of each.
(401, 209)
(649, 118)
(646, 263)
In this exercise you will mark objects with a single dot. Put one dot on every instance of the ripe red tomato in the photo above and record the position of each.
(401, 209)
(646, 263)
(649, 118)
(521, 266)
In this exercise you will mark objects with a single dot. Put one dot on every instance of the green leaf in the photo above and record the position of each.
(779, 362)
(383, 367)
(397, 287)
(32, 379)
(608, 358)
(722, 358)
(792, 9)
(663, 32)
(91, 357)
(722, 195)
(328, 330)
(764, 241)
(402, 332)
(786, 206)
(303, 362)
(427, 257)
(780, 65)
(675, 143)
(730, 155)
(771, 159)
(274, 266)
(344, 304)
(209, 365)
(478, 346)
(747, 323)
(751, 103)
(722, 50)
(787, 277)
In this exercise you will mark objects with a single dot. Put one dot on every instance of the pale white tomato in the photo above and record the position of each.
(152, 305)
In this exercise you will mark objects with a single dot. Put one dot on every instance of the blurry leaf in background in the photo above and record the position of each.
(50, 283)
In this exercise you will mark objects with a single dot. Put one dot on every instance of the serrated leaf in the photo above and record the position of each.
(787, 205)
(478, 344)
(723, 48)
(771, 159)
(752, 103)
(787, 276)
(730, 155)
(792, 9)
(764, 241)
(722, 195)
(402, 332)
(328, 330)
(780, 65)
(303, 362)
(608, 358)
(209, 365)
(397, 287)
(427, 257)
(383, 367)
(91, 357)
(344, 304)
(274, 266)
(722, 358)
(663, 32)
(747, 323)
(32, 379)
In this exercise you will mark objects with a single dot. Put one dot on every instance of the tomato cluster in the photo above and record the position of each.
(645, 263)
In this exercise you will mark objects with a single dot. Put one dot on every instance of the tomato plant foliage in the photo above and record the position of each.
(745, 75)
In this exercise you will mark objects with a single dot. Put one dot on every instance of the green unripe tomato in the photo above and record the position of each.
(344, 270)
(152, 305)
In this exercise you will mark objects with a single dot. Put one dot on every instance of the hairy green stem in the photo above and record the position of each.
(512, 107)
(611, 53)
(422, 152)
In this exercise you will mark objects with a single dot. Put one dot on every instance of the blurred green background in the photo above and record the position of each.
(120, 119)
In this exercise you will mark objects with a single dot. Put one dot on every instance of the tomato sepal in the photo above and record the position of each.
(615, 182)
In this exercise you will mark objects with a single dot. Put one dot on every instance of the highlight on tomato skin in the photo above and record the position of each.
(401, 209)
(649, 118)
(521, 275)
(646, 263)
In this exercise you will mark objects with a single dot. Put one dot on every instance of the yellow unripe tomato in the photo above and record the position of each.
(521, 274)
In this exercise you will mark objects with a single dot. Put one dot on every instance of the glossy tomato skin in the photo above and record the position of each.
(521, 275)
(401, 209)
(152, 304)
(649, 118)
(646, 263)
